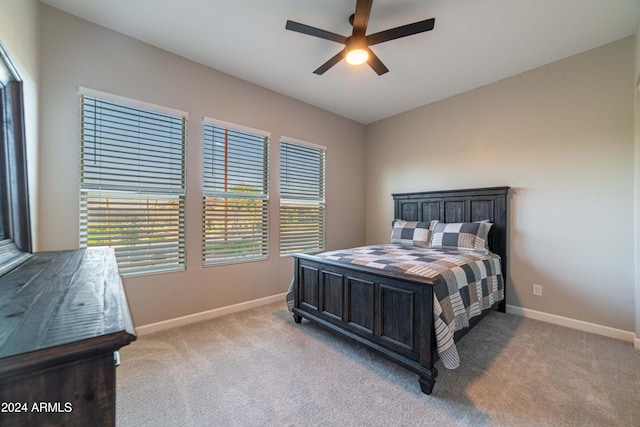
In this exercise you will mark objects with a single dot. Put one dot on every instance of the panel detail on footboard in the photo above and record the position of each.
(332, 294)
(360, 304)
(309, 287)
(397, 319)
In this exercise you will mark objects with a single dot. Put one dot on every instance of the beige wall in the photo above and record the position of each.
(76, 53)
(562, 136)
(19, 36)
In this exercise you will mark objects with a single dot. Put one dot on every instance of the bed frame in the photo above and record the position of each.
(388, 312)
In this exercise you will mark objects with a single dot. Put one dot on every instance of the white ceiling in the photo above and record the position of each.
(474, 42)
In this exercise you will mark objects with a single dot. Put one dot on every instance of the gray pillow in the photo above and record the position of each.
(411, 233)
(461, 236)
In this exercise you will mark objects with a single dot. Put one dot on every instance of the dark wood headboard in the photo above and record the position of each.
(468, 205)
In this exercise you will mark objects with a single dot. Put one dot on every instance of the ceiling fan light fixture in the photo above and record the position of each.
(356, 50)
(357, 56)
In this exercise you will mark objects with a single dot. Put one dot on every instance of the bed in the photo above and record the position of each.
(392, 312)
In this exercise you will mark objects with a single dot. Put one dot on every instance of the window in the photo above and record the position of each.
(236, 194)
(132, 182)
(15, 228)
(302, 197)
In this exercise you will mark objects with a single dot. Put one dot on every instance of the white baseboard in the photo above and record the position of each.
(206, 315)
(606, 331)
(580, 325)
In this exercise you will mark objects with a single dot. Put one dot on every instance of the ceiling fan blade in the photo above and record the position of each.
(330, 63)
(375, 63)
(403, 31)
(315, 32)
(361, 17)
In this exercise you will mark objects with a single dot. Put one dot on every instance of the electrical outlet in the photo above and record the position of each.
(537, 290)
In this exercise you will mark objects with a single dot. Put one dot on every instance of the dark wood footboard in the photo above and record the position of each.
(388, 313)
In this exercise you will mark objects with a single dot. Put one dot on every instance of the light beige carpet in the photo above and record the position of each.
(259, 368)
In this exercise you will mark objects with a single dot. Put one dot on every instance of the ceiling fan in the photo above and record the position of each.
(356, 50)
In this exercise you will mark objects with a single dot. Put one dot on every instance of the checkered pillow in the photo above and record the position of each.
(461, 236)
(411, 233)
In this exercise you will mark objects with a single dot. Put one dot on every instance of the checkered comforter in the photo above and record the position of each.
(471, 282)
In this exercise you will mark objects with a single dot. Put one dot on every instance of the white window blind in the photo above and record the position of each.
(132, 184)
(236, 194)
(302, 197)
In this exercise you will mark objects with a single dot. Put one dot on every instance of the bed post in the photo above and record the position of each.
(428, 349)
(296, 290)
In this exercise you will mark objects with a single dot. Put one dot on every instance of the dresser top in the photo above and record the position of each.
(64, 298)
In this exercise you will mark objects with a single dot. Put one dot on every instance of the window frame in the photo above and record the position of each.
(208, 257)
(320, 201)
(168, 192)
(16, 246)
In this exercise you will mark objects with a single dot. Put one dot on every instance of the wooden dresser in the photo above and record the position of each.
(63, 317)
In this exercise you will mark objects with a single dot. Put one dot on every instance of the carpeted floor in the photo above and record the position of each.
(259, 368)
